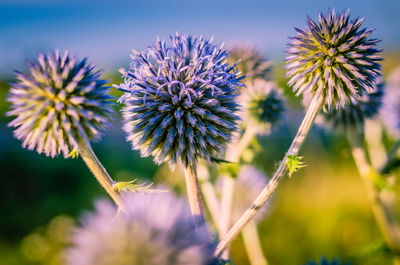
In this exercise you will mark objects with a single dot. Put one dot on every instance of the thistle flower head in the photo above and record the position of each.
(155, 229)
(60, 102)
(180, 100)
(353, 116)
(333, 58)
(391, 103)
(263, 105)
(252, 63)
(249, 182)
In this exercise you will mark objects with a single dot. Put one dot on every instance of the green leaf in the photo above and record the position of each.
(219, 160)
(231, 169)
(293, 164)
(391, 166)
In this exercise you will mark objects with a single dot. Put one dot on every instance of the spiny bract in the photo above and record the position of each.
(262, 105)
(252, 63)
(353, 116)
(154, 229)
(60, 102)
(180, 100)
(333, 58)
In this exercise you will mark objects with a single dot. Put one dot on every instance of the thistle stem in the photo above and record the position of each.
(233, 154)
(228, 188)
(386, 224)
(210, 198)
(376, 149)
(99, 171)
(252, 244)
(296, 144)
(193, 193)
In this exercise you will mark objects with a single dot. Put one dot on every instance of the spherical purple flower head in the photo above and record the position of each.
(249, 182)
(334, 58)
(155, 229)
(180, 100)
(60, 102)
(263, 105)
(352, 117)
(252, 63)
(390, 111)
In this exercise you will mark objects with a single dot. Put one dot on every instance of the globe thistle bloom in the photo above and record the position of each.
(333, 58)
(249, 182)
(180, 100)
(155, 229)
(263, 105)
(353, 116)
(390, 112)
(60, 102)
(252, 63)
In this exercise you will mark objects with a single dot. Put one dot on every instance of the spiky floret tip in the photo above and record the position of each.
(60, 102)
(252, 63)
(180, 100)
(335, 58)
(262, 105)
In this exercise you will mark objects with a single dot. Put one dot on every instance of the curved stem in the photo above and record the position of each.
(193, 193)
(387, 226)
(99, 171)
(252, 244)
(297, 142)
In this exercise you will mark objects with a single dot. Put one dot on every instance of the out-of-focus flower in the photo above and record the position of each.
(180, 100)
(353, 116)
(60, 102)
(333, 58)
(155, 229)
(252, 62)
(390, 111)
(262, 105)
(249, 183)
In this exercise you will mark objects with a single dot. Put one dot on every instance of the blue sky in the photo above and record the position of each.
(106, 31)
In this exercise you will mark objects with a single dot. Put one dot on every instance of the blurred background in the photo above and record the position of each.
(321, 211)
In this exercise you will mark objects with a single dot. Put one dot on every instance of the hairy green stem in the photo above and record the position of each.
(99, 171)
(252, 244)
(294, 148)
(193, 193)
(387, 226)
